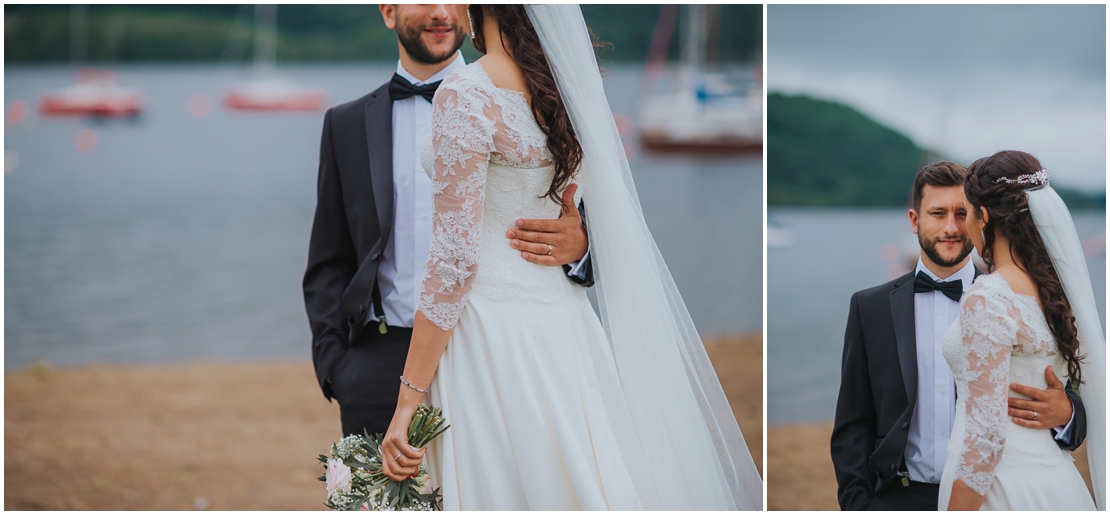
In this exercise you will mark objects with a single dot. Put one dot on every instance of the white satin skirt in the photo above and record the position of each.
(1031, 487)
(531, 392)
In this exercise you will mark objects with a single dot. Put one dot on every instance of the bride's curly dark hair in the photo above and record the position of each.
(1008, 207)
(519, 38)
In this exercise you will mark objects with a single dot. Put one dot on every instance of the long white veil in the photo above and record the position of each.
(1054, 223)
(682, 422)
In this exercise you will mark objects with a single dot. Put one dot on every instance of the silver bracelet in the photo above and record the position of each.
(410, 385)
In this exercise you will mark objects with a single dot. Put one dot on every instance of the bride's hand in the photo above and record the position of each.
(399, 459)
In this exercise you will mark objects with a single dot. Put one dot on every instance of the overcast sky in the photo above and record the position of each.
(964, 80)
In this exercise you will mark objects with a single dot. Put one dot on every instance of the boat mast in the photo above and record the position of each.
(693, 44)
(265, 39)
(656, 63)
(79, 34)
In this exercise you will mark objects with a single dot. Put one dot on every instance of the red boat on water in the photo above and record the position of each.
(95, 93)
(274, 95)
(268, 92)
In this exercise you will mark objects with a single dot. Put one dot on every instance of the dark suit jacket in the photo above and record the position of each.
(354, 209)
(354, 216)
(878, 391)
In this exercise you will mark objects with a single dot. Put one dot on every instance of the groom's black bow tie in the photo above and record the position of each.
(400, 89)
(951, 289)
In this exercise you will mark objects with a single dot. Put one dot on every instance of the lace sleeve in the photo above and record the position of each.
(989, 335)
(462, 139)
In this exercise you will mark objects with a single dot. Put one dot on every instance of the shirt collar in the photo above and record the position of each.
(965, 274)
(455, 64)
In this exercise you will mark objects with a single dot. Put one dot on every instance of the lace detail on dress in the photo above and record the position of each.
(528, 147)
(1001, 337)
(462, 140)
(988, 334)
(489, 165)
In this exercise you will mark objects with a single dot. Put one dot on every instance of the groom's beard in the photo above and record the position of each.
(410, 38)
(930, 248)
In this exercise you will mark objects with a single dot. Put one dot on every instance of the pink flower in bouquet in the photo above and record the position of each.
(338, 476)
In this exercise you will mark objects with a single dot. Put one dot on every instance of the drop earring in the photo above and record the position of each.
(471, 20)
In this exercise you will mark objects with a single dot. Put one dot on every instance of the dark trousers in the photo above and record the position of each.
(367, 379)
(915, 497)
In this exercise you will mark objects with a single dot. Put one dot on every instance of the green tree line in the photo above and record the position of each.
(206, 33)
(822, 153)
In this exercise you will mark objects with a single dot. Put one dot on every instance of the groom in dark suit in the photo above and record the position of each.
(372, 226)
(897, 395)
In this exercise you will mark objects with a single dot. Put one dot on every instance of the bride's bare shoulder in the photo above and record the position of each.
(503, 72)
(1019, 281)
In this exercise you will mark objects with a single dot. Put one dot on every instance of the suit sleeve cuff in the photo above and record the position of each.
(576, 268)
(1063, 433)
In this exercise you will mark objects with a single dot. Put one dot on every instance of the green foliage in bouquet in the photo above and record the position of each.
(369, 485)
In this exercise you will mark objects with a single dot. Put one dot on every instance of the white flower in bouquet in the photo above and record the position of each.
(354, 476)
(350, 447)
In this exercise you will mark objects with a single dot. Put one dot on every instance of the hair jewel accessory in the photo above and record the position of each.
(1039, 178)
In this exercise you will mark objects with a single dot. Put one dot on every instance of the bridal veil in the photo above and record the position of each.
(1057, 231)
(682, 423)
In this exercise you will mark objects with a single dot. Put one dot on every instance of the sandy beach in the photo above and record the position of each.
(222, 436)
(800, 472)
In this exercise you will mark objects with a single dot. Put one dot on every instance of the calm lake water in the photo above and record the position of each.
(183, 237)
(834, 254)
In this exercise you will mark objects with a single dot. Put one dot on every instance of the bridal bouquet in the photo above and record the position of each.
(354, 477)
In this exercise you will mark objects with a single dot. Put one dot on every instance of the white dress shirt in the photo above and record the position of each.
(935, 408)
(406, 254)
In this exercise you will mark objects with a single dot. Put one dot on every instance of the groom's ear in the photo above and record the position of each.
(913, 220)
(389, 15)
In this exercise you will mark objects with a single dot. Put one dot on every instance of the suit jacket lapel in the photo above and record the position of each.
(902, 311)
(379, 143)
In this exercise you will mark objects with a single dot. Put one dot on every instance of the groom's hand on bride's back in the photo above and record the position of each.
(566, 235)
(1050, 407)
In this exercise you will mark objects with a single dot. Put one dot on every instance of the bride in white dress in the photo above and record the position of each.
(551, 408)
(1035, 310)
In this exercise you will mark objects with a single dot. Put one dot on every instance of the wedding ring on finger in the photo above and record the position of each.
(398, 456)
(550, 249)
(1034, 416)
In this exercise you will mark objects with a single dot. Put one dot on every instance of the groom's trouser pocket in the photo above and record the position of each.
(915, 497)
(367, 381)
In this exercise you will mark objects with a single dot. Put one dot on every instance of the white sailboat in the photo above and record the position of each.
(268, 92)
(705, 111)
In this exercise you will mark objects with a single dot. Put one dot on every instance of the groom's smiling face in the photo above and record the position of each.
(429, 33)
(941, 225)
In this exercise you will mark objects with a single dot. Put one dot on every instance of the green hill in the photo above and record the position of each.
(823, 153)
